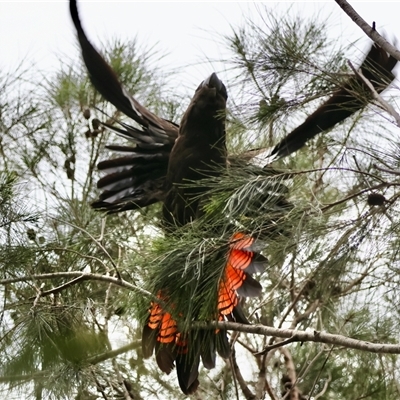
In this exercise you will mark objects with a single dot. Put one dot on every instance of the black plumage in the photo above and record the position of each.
(345, 101)
(199, 152)
(139, 177)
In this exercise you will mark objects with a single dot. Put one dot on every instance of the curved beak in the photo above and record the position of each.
(213, 82)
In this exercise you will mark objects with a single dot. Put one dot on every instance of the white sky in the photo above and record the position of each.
(42, 31)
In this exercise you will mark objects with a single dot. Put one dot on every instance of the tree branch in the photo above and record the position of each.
(277, 345)
(238, 374)
(81, 276)
(303, 336)
(368, 30)
(294, 335)
(293, 392)
(113, 353)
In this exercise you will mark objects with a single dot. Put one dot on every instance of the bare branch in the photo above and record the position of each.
(296, 335)
(83, 276)
(277, 345)
(303, 336)
(368, 30)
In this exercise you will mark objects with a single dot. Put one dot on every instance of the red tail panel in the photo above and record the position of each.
(172, 346)
(240, 258)
(163, 322)
(240, 241)
(227, 297)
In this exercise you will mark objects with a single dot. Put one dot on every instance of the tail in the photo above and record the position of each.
(173, 348)
(237, 280)
(377, 68)
(161, 335)
(128, 184)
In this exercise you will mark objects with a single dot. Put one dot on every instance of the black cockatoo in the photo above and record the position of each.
(165, 156)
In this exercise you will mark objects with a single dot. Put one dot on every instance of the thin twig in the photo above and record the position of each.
(103, 228)
(320, 371)
(60, 288)
(301, 317)
(282, 343)
(37, 297)
(120, 380)
(99, 386)
(292, 305)
(81, 255)
(389, 171)
(268, 389)
(95, 241)
(325, 388)
(84, 276)
(354, 195)
(307, 365)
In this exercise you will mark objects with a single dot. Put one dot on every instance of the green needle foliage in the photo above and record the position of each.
(326, 219)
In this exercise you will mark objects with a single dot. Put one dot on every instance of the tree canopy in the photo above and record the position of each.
(76, 285)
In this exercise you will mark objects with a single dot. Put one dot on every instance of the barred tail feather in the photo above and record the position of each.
(237, 281)
(173, 348)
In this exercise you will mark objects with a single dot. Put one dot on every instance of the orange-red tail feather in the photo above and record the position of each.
(172, 347)
(236, 277)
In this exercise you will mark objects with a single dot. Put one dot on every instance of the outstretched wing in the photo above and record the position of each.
(137, 178)
(345, 101)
